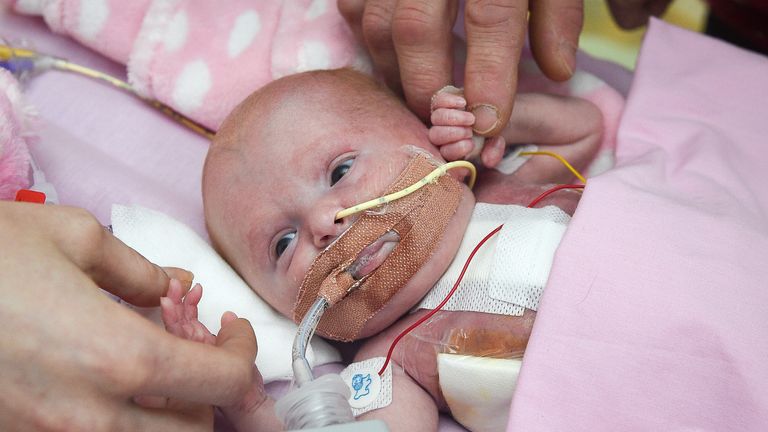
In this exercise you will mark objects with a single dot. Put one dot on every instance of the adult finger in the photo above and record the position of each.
(554, 29)
(630, 14)
(352, 11)
(423, 42)
(377, 35)
(148, 419)
(111, 264)
(493, 151)
(495, 37)
(218, 375)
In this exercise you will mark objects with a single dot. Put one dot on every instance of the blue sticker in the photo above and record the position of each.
(362, 385)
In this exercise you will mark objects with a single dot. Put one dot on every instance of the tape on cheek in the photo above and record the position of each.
(336, 286)
(418, 219)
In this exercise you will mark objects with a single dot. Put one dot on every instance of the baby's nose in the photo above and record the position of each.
(324, 226)
(325, 237)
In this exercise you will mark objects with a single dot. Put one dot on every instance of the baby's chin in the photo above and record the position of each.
(422, 282)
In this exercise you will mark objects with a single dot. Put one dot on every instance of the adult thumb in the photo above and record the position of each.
(236, 335)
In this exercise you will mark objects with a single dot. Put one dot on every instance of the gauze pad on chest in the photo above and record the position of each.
(508, 274)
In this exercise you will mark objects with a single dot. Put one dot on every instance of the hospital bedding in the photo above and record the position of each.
(101, 147)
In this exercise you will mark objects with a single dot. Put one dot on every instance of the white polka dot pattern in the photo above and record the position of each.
(191, 86)
(313, 55)
(93, 16)
(247, 26)
(176, 32)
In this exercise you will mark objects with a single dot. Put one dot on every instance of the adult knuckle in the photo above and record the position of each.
(413, 25)
(125, 373)
(377, 26)
(351, 9)
(487, 63)
(489, 14)
(62, 422)
(85, 234)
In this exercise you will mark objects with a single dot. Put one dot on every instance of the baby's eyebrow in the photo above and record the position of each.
(257, 242)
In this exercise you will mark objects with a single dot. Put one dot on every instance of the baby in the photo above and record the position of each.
(298, 151)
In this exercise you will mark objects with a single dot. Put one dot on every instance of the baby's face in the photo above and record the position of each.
(272, 197)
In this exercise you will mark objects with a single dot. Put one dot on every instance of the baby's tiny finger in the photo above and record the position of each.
(448, 100)
(194, 295)
(457, 150)
(493, 151)
(175, 290)
(452, 117)
(441, 135)
(171, 317)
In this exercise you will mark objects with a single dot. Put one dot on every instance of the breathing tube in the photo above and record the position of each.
(314, 403)
(324, 401)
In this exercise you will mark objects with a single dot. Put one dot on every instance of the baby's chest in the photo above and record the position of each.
(451, 336)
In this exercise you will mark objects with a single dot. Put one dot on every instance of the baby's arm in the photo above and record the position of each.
(256, 410)
(569, 126)
(412, 408)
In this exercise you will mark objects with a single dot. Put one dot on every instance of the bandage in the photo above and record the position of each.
(367, 390)
(419, 219)
(509, 273)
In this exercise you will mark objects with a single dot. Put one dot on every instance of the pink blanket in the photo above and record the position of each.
(655, 316)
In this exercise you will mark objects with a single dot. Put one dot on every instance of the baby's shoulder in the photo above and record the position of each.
(495, 187)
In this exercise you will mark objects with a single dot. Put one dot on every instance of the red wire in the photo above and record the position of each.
(548, 192)
(463, 270)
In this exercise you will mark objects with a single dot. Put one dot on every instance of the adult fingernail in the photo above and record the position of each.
(184, 276)
(486, 118)
(568, 56)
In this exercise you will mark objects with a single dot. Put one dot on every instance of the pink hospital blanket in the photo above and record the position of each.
(655, 316)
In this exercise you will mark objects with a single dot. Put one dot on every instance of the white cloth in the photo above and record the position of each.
(482, 406)
(506, 276)
(509, 272)
(168, 242)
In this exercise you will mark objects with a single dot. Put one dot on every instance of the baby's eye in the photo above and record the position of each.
(341, 170)
(283, 243)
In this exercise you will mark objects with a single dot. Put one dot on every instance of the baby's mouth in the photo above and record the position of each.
(370, 258)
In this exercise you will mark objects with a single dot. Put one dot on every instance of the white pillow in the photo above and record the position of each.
(167, 242)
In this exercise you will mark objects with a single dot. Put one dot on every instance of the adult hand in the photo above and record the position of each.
(73, 359)
(410, 42)
(630, 14)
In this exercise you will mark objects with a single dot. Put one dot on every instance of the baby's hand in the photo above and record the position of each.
(451, 130)
(180, 314)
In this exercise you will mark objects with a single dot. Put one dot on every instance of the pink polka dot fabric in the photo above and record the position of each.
(14, 137)
(201, 57)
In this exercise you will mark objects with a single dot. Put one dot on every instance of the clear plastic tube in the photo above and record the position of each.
(302, 372)
(318, 403)
(313, 402)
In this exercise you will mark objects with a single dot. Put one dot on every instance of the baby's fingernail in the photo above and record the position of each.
(486, 118)
(447, 100)
(568, 56)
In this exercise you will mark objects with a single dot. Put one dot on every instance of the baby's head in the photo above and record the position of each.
(294, 154)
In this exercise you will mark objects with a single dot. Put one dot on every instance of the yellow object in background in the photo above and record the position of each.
(604, 39)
